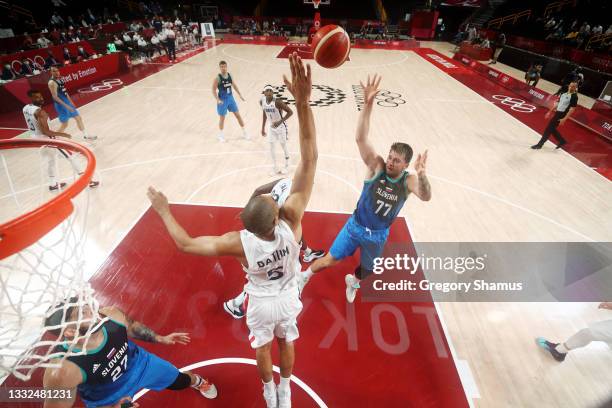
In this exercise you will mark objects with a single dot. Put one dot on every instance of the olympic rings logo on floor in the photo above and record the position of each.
(105, 85)
(516, 104)
(389, 99)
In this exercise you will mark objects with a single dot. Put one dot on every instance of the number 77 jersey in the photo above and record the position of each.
(272, 265)
(381, 200)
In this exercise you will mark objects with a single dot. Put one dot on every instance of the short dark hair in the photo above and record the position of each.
(57, 318)
(404, 149)
(222, 63)
(33, 92)
(258, 215)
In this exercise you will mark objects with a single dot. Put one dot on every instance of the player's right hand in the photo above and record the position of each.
(159, 201)
(301, 79)
(263, 133)
(370, 89)
(70, 108)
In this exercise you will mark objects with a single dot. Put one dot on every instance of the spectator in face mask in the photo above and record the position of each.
(82, 54)
(26, 68)
(67, 57)
(50, 61)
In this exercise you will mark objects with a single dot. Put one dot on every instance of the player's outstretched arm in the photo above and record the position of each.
(228, 244)
(372, 160)
(300, 87)
(419, 184)
(140, 331)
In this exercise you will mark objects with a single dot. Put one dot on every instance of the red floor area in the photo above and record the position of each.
(586, 146)
(135, 74)
(361, 355)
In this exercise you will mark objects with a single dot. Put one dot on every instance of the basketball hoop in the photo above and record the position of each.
(316, 3)
(41, 252)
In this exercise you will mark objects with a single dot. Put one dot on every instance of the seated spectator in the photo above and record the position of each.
(27, 69)
(7, 73)
(533, 74)
(609, 30)
(597, 30)
(43, 42)
(28, 43)
(82, 55)
(56, 20)
(50, 61)
(156, 44)
(485, 43)
(68, 58)
(135, 27)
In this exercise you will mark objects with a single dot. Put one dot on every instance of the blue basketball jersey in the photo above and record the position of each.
(225, 86)
(381, 200)
(61, 88)
(110, 366)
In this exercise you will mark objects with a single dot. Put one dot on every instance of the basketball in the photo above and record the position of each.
(331, 46)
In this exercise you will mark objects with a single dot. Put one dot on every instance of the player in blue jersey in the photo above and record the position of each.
(64, 106)
(113, 368)
(223, 90)
(385, 190)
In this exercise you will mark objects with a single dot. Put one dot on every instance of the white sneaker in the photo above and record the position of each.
(284, 397)
(308, 258)
(284, 170)
(89, 137)
(230, 307)
(271, 398)
(208, 389)
(221, 138)
(352, 284)
(246, 136)
(274, 172)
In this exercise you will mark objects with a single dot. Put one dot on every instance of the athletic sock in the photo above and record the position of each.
(284, 383)
(561, 348)
(198, 382)
(269, 386)
(307, 251)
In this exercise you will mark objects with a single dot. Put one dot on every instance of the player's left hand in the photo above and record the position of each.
(276, 124)
(174, 338)
(158, 200)
(421, 163)
(241, 98)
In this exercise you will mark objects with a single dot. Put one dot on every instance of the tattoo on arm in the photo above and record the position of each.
(139, 331)
(424, 186)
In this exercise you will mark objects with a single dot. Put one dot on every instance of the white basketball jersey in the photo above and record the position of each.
(29, 112)
(281, 191)
(271, 110)
(272, 265)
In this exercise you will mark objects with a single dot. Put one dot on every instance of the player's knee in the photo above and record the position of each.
(183, 380)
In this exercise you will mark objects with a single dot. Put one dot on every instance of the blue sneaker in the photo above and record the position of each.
(551, 348)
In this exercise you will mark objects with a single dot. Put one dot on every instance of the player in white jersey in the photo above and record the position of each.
(273, 109)
(268, 250)
(279, 191)
(37, 121)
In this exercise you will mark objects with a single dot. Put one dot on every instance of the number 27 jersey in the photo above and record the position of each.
(272, 265)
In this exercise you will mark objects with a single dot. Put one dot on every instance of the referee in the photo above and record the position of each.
(567, 101)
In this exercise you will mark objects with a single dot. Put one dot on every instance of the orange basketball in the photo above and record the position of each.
(331, 46)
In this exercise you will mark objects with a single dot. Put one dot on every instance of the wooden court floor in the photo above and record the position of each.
(487, 186)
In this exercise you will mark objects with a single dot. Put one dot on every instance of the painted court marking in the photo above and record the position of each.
(249, 361)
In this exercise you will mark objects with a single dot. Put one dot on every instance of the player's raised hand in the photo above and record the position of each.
(301, 79)
(158, 200)
(174, 338)
(370, 89)
(421, 163)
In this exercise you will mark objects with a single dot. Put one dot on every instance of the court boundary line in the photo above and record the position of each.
(241, 360)
(508, 114)
(434, 177)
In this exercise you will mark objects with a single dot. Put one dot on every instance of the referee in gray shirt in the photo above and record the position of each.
(567, 101)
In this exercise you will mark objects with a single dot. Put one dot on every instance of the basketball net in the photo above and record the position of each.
(37, 280)
(316, 3)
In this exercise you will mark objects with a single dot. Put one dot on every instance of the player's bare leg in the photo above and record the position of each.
(287, 359)
(264, 367)
(221, 125)
(81, 126)
(316, 266)
(241, 123)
